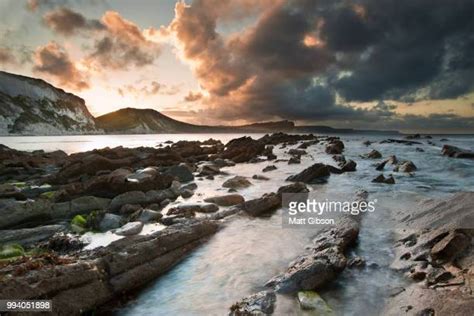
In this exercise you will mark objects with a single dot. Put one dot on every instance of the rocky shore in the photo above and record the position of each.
(50, 200)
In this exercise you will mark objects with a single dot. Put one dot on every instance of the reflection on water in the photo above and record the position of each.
(240, 258)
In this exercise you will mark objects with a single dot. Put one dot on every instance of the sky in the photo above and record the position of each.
(368, 64)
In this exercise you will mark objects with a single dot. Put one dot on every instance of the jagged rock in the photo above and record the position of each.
(450, 246)
(374, 154)
(268, 152)
(108, 272)
(349, 166)
(406, 166)
(315, 174)
(294, 160)
(278, 138)
(356, 262)
(456, 152)
(297, 152)
(261, 303)
(243, 149)
(263, 205)
(237, 182)
(324, 261)
(269, 168)
(400, 141)
(226, 200)
(382, 179)
(297, 187)
(335, 147)
(8, 191)
(129, 229)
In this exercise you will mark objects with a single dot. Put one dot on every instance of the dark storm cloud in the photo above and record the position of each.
(67, 22)
(300, 55)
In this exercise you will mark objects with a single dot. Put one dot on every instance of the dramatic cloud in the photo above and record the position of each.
(68, 22)
(6, 56)
(54, 62)
(307, 59)
(193, 96)
(123, 45)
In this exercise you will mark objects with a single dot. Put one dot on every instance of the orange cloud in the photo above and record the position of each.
(193, 96)
(54, 62)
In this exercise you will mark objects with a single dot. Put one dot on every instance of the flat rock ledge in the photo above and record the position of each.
(107, 273)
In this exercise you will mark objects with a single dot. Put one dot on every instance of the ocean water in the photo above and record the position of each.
(247, 252)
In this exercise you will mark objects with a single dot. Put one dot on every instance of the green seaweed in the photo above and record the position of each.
(11, 251)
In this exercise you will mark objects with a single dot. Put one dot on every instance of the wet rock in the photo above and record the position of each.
(221, 163)
(400, 141)
(278, 138)
(263, 205)
(349, 166)
(356, 262)
(190, 186)
(381, 166)
(324, 261)
(297, 152)
(129, 229)
(29, 236)
(143, 174)
(110, 221)
(243, 149)
(226, 200)
(294, 160)
(8, 191)
(268, 152)
(182, 172)
(367, 143)
(198, 207)
(208, 169)
(334, 170)
(129, 209)
(406, 166)
(147, 215)
(237, 182)
(420, 150)
(260, 177)
(186, 194)
(456, 152)
(261, 303)
(311, 300)
(62, 243)
(392, 160)
(317, 173)
(374, 154)
(108, 272)
(335, 147)
(382, 179)
(297, 187)
(181, 212)
(269, 168)
(132, 197)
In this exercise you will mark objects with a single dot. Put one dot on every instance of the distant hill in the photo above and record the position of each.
(30, 106)
(143, 121)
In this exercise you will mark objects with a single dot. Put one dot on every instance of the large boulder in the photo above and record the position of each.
(374, 154)
(317, 173)
(110, 221)
(243, 149)
(335, 147)
(132, 197)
